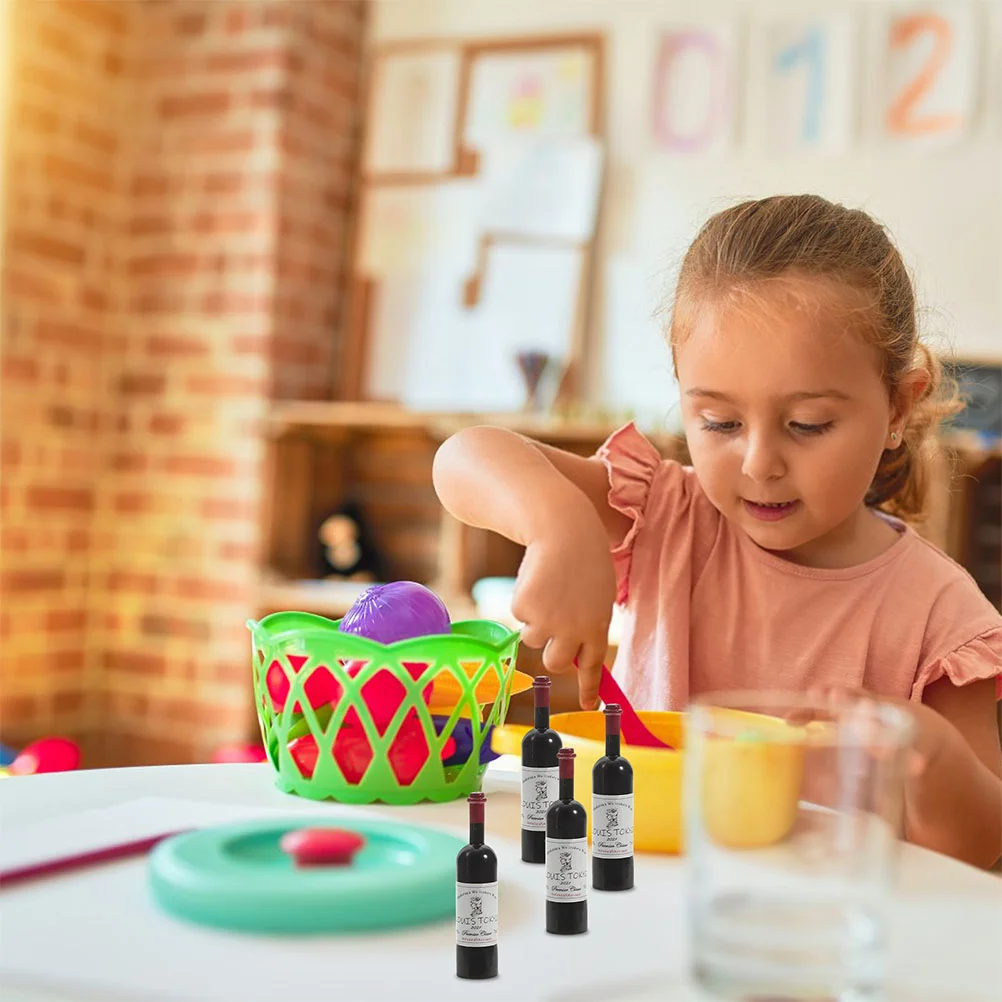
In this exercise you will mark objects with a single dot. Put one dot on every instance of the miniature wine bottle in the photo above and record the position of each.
(540, 782)
(612, 812)
(477, 901)
(566, 856)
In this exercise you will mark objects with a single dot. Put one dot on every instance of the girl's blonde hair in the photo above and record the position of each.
(794, 235)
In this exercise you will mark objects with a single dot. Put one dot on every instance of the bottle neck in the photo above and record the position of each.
(567, 788)
(541, 718)
(612, 745)
(476, 833)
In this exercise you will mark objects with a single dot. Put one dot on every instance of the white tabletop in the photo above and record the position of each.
(95, 934)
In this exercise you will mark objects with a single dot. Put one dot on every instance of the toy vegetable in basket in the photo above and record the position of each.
(365, 709)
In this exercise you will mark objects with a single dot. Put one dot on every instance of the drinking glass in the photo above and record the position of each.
(793, 809)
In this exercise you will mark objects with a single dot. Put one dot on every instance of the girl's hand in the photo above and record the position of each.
(932, 732)
(564, 595)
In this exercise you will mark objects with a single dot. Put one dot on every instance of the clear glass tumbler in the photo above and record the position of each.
(793, 811)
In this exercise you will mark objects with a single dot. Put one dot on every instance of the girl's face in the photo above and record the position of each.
(786, 417)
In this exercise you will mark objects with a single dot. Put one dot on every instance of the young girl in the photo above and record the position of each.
(782, 558)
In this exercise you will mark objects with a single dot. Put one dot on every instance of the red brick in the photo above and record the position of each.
(65, 619)
(226, 386)
(133, 462)
(27, 286)
(238, 551)
(93, 299)
(63, 171)
(142, 226)
(132, 502)
(234, 303)
(22, 370)
(49, 248)
(151, 184)
(32, 580)
(216, 141)
(224, 184)
(272, 97)
(229, 222)
(174, 626)
(69, 335)
(142, 383)
(254, 59)
(228, 509)
(77, 541)
(209, 590)
(146, 584)
(60, 498)
(14, 540)
(10, 454)
(167, 424)
(135, 662)
(102, 140)
(190, 23)
(165, 265)
(35, 119)
(209, 103)
(109, 16)
(68, 701)
(171, 345)
(200, 466)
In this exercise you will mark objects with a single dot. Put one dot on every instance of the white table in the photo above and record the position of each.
(95, 934)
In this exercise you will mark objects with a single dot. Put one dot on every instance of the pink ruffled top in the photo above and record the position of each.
(707, 609)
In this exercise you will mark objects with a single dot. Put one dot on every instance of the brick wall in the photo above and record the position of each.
(62, 299)
(238, 139)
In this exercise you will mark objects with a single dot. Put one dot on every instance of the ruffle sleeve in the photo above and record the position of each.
(631, 462)
(979, 658)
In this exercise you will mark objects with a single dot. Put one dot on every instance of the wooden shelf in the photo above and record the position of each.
(334, 417)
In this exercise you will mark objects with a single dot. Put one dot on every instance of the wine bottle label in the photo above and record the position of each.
(611, 826)
(540, 787)
(566, 869)
(476, 914)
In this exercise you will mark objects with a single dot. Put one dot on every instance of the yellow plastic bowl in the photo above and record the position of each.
(750, 788)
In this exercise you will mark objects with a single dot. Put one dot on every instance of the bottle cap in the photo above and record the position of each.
(541, 691)
(477, 802)
(565, 762)
(613, 718)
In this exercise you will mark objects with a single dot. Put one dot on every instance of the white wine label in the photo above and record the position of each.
(566, 869)
(611, 826)
(476, 914)
(540, 787)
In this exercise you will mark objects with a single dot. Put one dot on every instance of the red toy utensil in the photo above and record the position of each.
(634, 730)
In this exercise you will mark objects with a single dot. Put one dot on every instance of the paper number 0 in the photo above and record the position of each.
(671, 47)
(903, 116)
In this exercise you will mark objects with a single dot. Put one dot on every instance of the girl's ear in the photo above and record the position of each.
(911, 389)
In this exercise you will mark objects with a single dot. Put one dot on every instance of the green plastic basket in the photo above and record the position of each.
(350, 700)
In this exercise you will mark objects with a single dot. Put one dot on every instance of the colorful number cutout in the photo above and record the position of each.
(810, 49)
(904, 115)
(715, 122)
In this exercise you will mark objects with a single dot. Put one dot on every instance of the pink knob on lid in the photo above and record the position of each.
(321, 846)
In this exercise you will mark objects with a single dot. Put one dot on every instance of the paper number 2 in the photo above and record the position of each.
(903, 115)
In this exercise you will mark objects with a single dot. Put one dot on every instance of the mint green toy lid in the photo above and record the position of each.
(237, 877)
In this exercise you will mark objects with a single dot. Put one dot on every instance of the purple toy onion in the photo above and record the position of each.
(396, 611)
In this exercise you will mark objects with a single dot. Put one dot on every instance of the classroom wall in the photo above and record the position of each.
(944, 207)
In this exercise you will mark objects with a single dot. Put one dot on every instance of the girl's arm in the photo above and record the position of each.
(556, 505)
(954, 805)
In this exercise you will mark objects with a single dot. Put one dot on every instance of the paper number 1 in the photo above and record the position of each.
(811, 49)
(902, 115)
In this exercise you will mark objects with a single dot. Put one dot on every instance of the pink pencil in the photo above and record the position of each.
(102, 855)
